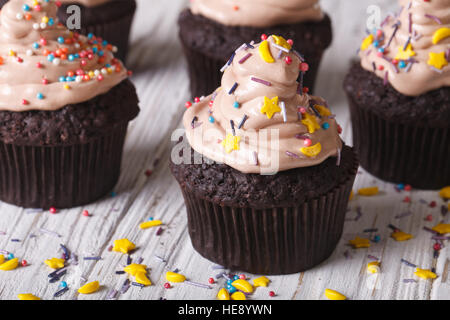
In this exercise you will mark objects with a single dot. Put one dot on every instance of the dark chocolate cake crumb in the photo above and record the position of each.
(74, 123)
(368, 91)
(224, 185)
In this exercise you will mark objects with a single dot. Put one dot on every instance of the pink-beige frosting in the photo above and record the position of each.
(258, 13)
(86, 3)
(266, 145)
(423, 22)
(30, 80)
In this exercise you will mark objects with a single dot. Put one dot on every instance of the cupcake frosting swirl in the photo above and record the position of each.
(411, 49)
(258, 13)
(257, 122)
(44, 66)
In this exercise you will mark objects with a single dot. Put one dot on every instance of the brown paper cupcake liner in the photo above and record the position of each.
(61, 176)
(269, 241)
(401, 153)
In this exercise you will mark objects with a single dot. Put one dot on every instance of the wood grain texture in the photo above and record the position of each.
(162, 84)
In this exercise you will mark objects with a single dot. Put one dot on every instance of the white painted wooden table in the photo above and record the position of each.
(162, 84)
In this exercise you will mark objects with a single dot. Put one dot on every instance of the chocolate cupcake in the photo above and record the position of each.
(399, 96)
(109, 19)
(267, 181)
(210, 30)
(65, 103)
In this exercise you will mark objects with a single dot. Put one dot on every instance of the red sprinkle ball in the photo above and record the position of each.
(303, 67)
(167, 285)
(288, 60)
(432, 204)
(211, 280)
(24, 263)
(272, 294)
(429, 217)
(188, 104)
(196, 99)
(264, 37)
(52, 210)
(85, 213)
(290, 41)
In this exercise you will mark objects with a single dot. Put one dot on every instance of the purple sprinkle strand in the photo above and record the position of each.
(196, 284)
(112, 294)
(248, 55)
(434, 18)
(242, 121)
(293, 155)
(409, 264)
(267, 83)
(409, 280)
(404, 214)
(233, 88)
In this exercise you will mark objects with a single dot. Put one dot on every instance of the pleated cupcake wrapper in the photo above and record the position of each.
(269, 241)
(61, 176)
(205, 76)
(401, 153)
(116, 32)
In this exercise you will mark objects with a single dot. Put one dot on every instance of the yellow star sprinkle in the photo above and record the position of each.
(370, 191)
(334, 295)
(425, 274)
(405, 54)
(89, 288)
(231, 143)
(223, 294)
(279, 40)
(401, 236)
(445, 193)
(27, 296)
(360, 243)
(310, 122)
(437, 60)
(135, 268)
(323, 111)
(261, 282)
(270, 107)
(373, 267)
(123, 245)
(55, 263)
(442, 228)
(149, 224)
(141, 277)
(367, 42)
(238, 296)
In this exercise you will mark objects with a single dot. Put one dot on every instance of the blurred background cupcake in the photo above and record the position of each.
(210, 30)
(399, 96)
(109, 19)
(65, 104)
(267, 183)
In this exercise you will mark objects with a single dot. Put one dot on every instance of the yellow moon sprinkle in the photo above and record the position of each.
(265, 53)
(441, 34)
